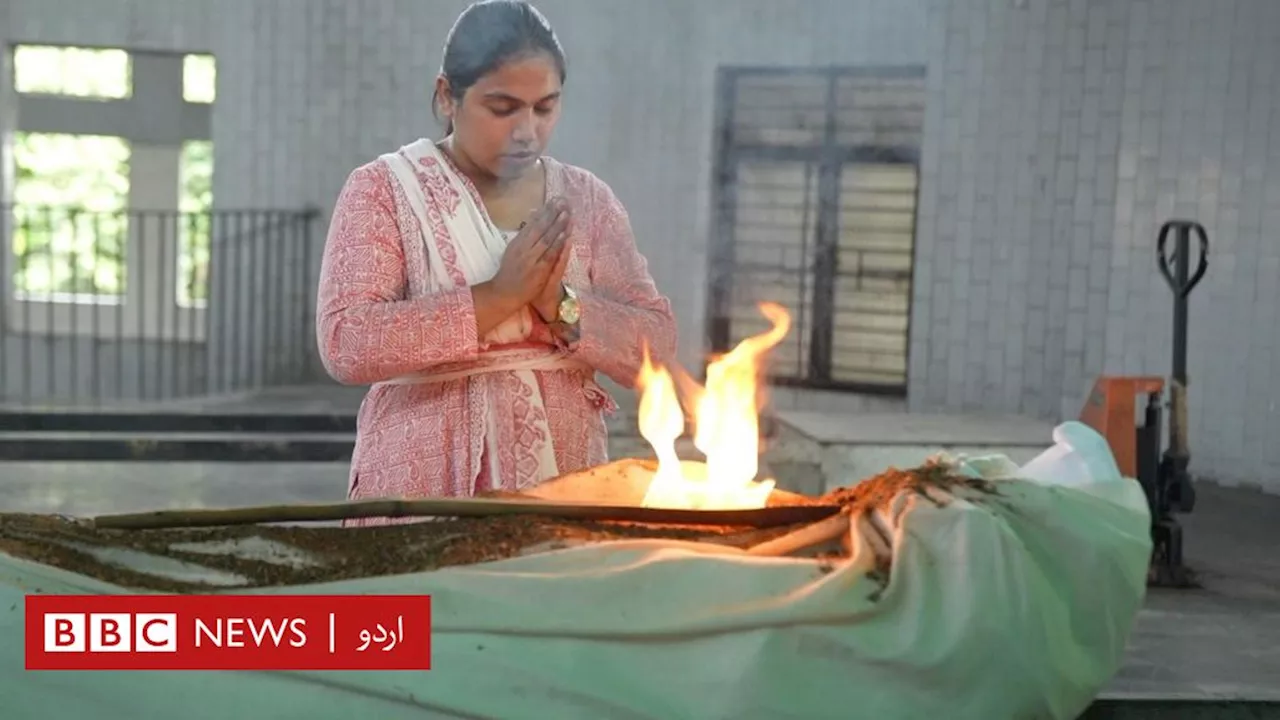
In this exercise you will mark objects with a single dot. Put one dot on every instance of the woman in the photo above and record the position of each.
(479, 285)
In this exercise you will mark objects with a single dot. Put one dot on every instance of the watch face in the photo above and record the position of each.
(569, 312)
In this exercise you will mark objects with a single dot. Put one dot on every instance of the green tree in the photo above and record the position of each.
(196, 205)
(70, 228)
(72, 71)
(71, 192)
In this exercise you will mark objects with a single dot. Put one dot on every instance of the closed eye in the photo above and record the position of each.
(503, 105)
(507, 111)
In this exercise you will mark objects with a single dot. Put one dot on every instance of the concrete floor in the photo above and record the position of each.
(299, 399)
(1221, 641)
(95, 488)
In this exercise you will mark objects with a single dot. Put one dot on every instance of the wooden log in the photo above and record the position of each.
(463, 507)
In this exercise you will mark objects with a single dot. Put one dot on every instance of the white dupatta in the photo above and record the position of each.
(448, 214)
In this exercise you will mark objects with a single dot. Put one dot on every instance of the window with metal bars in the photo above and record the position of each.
(817, 173)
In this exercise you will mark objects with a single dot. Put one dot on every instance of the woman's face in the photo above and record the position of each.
(504, 122)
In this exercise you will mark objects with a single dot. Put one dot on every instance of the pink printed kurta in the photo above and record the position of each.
(376, 322)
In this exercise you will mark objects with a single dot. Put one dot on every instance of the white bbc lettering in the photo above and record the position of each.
(155, 632)
(231, 632)
(110, 632)
(64, 632)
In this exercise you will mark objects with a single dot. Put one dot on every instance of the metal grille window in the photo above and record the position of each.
(816, 201)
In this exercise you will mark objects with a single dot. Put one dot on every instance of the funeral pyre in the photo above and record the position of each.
(255, 550)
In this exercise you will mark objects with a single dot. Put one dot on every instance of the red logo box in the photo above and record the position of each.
(228, 632)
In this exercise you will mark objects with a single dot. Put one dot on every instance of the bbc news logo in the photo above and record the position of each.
(110, 632)
(228, 632)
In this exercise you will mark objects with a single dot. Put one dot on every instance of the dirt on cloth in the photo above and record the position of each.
(302, 555)
(934, 482)
(249, 556)
(878, 490)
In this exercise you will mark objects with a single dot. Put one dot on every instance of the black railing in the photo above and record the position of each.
(138, 305)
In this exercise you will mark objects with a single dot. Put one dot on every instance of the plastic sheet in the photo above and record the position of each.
(1010, 604)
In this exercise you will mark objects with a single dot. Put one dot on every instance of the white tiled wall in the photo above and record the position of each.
(1200, 137)
(1022, 136)
(1061, 135)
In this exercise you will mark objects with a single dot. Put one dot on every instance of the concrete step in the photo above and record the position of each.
(174, 422)
(177, 446)
(217, 436)
(207, 420)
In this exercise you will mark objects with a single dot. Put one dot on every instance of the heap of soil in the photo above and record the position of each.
(878, 490)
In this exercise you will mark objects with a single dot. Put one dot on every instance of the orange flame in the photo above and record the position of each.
(727, 428)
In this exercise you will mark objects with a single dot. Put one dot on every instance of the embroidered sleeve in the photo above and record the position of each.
(623, 310)
(366, 330)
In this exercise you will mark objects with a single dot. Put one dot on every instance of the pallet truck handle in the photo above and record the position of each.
(1184, 227)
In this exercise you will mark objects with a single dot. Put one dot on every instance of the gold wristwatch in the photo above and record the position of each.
(569, 311)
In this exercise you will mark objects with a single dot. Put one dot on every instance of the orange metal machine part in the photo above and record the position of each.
(1112, 410)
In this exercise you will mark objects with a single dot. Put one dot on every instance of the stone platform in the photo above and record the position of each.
(813, 452)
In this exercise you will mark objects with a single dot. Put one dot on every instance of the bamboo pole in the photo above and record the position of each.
(462, 507)
(806, 537)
